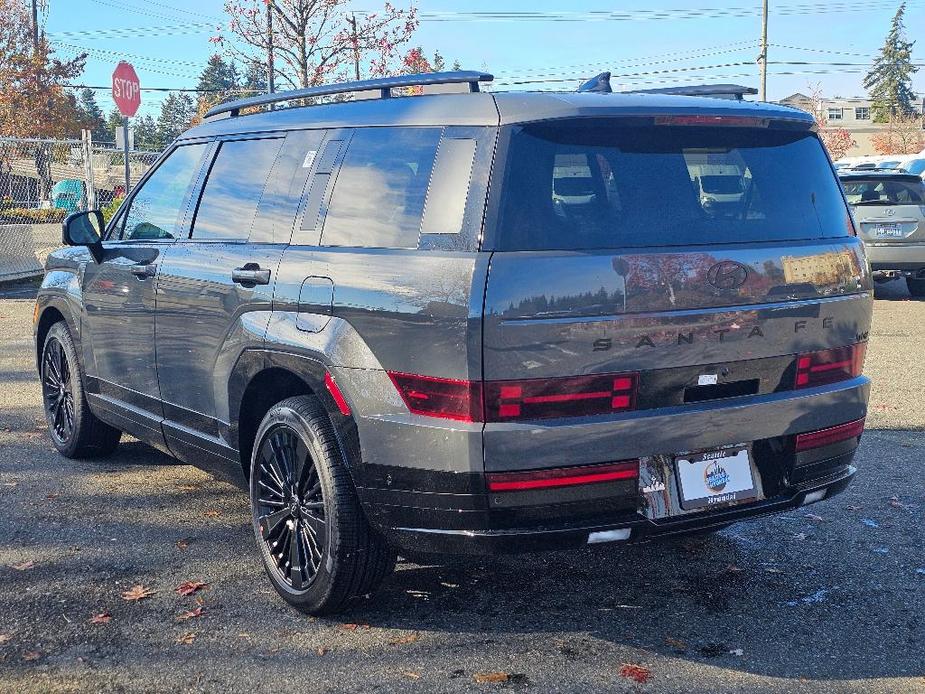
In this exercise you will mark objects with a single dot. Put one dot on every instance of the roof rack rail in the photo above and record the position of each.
(721, 91)
(384, 85)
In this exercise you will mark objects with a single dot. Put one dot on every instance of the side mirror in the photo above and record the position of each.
(84, 229)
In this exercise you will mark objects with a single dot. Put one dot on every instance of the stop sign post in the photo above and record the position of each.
(126, 92)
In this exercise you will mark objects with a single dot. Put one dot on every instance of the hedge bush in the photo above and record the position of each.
(32, 215)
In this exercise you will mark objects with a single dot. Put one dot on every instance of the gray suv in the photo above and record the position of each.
(471, 322)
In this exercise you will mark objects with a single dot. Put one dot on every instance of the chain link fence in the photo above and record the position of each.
(43, 181)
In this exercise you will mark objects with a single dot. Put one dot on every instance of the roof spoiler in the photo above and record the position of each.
(383, 85)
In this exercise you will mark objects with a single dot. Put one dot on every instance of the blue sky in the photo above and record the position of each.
(652, 44)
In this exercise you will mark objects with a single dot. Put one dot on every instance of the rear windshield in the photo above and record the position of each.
(881, 191)
(581, 185)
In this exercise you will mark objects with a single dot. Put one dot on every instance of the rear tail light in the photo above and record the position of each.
(508, 401)
(830, 365)
(440, 397)
(826, 437)
(559, 397)
(561, 477)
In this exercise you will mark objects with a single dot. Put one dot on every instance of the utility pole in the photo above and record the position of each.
(271, 78)
(763, 58)
(35, 26)
(356, 46)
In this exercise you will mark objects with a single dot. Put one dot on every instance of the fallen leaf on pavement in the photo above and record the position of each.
(52, 496)
(101, 618)
(321, 650)
(137, 592)
(896, 503)
(354, 627)
(31, 655)
(852, 507)
(813, 517)
(412, 675)
(189, 587)
(189, 614)
(637, 673)
(5, 637)
(772, 570)
(733, 569)
(676, 644)
(24, 565)
(187, 638)
(491, 677)
(800, 536)
(183, 543)
(212, 514)
(407, 638)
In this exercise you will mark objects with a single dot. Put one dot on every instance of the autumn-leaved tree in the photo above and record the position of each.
(316, 41)
(837, 140)
(33, 99)
(903, 135)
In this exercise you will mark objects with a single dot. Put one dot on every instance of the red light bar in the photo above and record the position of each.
(724, 121)
(830, 365)
(575, 396)
(826, 437)
(561, 477)
(339, 399)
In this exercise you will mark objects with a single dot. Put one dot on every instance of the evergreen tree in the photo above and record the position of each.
(146, 134)
(889, 81)
(438, 64)
(218, 80)
(91, 115)
(177, 110)
(255, 79)
(457, 66)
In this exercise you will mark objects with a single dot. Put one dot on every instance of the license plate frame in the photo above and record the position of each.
(715, 478)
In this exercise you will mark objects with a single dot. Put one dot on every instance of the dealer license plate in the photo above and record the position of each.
(888, 230)
(715, 477)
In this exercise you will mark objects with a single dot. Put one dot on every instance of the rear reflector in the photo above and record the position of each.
(339, 399)
(508, 401)
(440, 397)
(826, 437)
(561, 477)
(830, 365)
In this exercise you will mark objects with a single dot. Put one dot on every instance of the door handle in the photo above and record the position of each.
(143, 272)
(250, 274)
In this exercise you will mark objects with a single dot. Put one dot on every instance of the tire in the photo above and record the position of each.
(916, 286)
(318, 550)
(75, 431)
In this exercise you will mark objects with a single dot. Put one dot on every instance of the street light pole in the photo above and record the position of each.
(763, 58)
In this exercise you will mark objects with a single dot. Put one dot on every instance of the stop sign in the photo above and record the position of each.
(126, 89)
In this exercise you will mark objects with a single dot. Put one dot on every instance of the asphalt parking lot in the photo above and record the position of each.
(830, 598)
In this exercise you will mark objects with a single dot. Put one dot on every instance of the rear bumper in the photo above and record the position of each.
(908, 257)
(636, 528)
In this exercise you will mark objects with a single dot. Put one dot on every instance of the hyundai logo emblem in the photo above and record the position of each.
(727, 274)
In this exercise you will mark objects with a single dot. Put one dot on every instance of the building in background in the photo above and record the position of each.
(854, 115)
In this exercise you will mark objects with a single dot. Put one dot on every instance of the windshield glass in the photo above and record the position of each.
(879, 191)
(576, 185)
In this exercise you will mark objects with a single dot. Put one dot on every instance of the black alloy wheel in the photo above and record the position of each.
(58, 392)
(290, 507)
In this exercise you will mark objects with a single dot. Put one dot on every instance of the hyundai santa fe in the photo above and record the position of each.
(471, 322)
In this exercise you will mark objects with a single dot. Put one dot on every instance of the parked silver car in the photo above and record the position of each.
(889, 208)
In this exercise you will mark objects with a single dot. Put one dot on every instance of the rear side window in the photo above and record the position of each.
(581, 185)
(232, 191)
(379, 195)
(883, 191)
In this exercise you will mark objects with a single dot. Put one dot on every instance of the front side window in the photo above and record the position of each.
(154, 212)
(233, 189)
(581, 185)
(379, 195)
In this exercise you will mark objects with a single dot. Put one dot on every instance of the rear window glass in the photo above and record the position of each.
(882, 191)
(585, 185)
